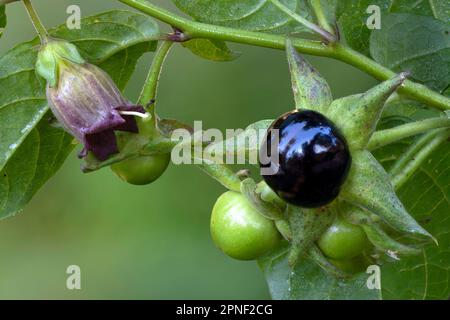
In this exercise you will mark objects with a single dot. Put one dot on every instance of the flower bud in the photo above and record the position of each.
(84, 99)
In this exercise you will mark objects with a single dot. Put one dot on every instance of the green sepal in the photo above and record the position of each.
(51, 55)
(319, 258)
(267, 209)
(368, 187)
(382, 241)
(357, 116)
(311, 91)
(150, 142)
(307, 225)
(268, 195)
(374, 230)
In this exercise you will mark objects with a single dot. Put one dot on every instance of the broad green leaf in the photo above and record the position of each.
(40, 155)
(439, 9)
(309, 282)
(426, 196)
(254, 15)
(113, 40)
(2, 19)
(418, 44)
(352, 19)
(213, 50)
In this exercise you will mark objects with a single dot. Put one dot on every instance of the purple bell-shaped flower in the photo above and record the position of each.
(85, 100)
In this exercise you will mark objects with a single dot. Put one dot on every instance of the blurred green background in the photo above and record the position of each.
(148, 242)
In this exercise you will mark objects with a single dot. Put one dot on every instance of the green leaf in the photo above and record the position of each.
(438, 9)
(309, 282)
(254, 15)
(418, 44)
(213, 50)
(2, 19)
(352, 20)
(40, 155)
(30, 150)
(311, 91)
(426, 196)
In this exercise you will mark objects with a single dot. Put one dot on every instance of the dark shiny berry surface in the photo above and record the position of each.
(314, 159)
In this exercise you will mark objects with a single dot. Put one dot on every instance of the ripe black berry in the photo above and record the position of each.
(314, 159)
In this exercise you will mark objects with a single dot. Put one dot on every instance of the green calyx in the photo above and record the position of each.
(52, 55)
(367, 201)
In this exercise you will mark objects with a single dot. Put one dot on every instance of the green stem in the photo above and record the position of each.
(410, 162)
(321, 17)
(38, 26)
(222, 174)
(409, 88)
(150, 87)
(335, 50)
(385, 137)
(318, 257)
(323, 33)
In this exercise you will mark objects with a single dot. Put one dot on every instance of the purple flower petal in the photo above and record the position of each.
(102, 144)
(88, 103)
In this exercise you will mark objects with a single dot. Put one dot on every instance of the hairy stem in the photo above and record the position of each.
(323, 33)
(410, 162)
(150, 87)
(334, 50)
(409, 88)
(222, 174)
(38, 26)
(385, 137)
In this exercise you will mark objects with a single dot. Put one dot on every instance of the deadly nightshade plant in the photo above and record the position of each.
(361, 206)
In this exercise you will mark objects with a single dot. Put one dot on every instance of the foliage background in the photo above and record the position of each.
(148, 242)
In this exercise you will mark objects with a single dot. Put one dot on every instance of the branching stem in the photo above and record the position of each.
(412, 159)
(388, 136)
(150, 87)
(335, 50)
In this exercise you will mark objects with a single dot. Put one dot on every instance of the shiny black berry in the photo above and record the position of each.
(313, 159)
